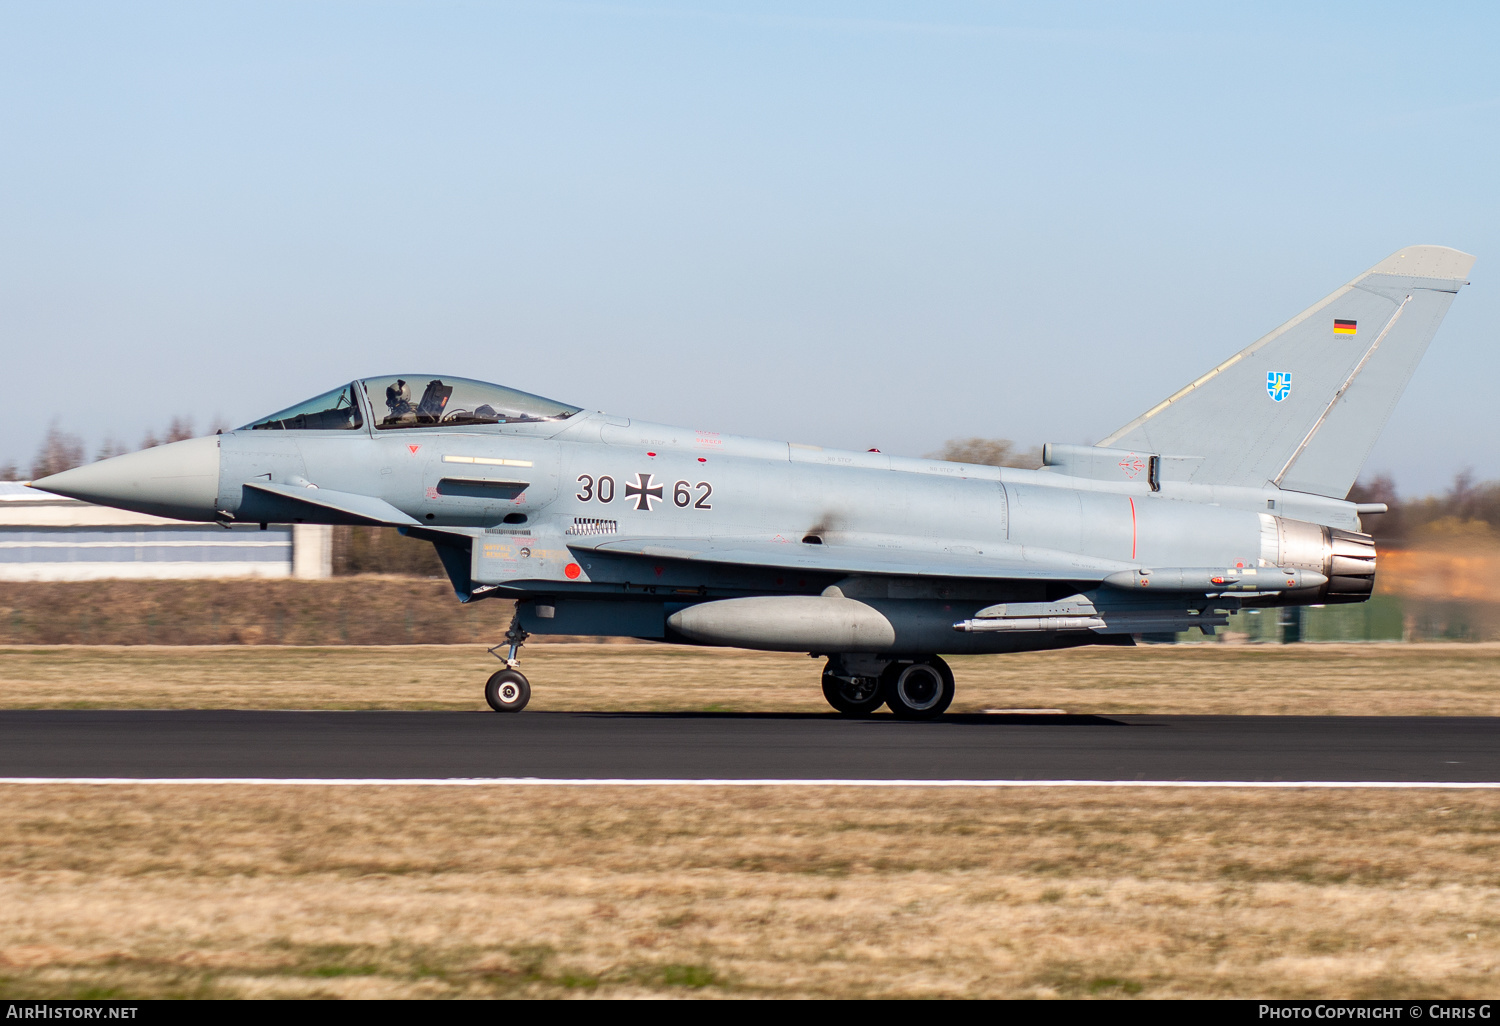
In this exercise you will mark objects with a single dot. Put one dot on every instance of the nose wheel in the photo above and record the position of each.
(507, 691)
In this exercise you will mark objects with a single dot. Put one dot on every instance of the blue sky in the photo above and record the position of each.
(869, 224)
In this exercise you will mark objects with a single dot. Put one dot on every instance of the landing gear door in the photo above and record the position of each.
(505, 556)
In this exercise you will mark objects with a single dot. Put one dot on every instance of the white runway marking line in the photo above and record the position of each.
(1277, 785)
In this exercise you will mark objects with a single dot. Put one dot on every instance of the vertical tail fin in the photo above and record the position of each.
(1302, 406)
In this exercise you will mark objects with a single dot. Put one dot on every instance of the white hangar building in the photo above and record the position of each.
(45, 537)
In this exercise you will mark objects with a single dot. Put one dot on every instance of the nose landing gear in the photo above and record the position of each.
(508, 690)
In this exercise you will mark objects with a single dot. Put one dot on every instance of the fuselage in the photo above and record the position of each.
(520, 509)
(652, 479)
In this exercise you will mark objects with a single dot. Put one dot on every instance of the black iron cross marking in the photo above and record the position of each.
(643, 492)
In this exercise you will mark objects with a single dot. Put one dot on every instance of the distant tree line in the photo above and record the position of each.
(61, 450)
(1468, 509)
(382, 550)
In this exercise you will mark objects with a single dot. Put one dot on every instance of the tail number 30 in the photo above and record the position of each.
(605, 492)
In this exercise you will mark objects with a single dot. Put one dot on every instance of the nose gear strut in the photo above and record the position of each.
(508, 690)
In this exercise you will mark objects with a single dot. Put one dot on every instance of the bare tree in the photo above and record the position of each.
(110, 447)
(178, 429)
(8, 471)
(993, 452)
(181, 428)
(1463, 497)
(60, 451)
(1386, 527)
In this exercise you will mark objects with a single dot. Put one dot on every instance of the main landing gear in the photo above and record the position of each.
(508, 690)
(919, 688)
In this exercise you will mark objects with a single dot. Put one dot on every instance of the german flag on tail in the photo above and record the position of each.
(1345, 327)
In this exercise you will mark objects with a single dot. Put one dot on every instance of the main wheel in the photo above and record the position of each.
(919, 690)
(856, 697)
(507, 691)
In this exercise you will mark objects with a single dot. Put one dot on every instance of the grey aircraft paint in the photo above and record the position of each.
(1226, 495)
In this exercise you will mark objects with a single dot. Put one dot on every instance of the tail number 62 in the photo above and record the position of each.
(682, 497)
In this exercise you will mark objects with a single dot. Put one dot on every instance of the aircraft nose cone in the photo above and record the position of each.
(179, 479)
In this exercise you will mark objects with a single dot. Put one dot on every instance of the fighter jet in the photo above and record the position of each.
(1228, 494)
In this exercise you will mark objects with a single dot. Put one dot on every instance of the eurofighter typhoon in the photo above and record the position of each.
(1227, 494)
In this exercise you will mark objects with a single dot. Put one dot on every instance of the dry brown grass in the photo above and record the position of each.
(341, 611)
(365, 892)
(1371, 679)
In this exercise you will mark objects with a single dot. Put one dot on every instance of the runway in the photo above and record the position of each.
(423, 746)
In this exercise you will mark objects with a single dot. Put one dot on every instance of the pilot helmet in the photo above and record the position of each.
(398, 394)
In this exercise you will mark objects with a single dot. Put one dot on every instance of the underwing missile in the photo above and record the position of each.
(1201, 579)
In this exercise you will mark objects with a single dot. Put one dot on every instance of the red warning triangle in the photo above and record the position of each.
(413, 449)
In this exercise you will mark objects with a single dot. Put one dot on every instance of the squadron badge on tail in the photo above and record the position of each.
(1278, 384)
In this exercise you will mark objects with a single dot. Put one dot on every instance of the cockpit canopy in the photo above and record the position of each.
(416, 401)
(330, 411)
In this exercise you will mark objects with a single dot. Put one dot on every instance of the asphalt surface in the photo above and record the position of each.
(725, 745)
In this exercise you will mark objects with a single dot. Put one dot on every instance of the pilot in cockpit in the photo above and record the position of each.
(398, 401)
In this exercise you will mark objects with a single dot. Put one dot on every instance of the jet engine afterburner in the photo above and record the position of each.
(1346, 558)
